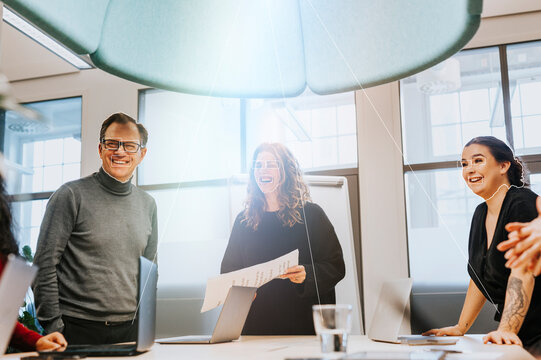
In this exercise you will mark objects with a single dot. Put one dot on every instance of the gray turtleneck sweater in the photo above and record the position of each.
(91, 237)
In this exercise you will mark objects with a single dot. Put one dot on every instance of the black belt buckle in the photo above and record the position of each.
(115, 323)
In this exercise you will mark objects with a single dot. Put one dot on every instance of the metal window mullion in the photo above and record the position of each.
(337, 134)
(450, 164)
(42, 165)
(44, 195)
(243, 140)
(2, 124)
(461, 123)
(183, 185)
(431, 166)
(63, 156)
(506, 96)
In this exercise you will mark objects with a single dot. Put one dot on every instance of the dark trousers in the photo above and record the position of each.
(81, 331)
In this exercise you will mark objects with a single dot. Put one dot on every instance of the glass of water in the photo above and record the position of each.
(332, 324)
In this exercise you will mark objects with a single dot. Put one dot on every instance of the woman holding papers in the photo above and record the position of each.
(278, 219)
(22, 339)
(491, 171)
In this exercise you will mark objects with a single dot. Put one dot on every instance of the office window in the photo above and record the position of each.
(196, 144)
(489, 91)
(51, 162)
(525, 90)
(198, 141)
(438, 226)
(445, 106)
(320, 130)
(28, 216)
(39, 157)
(191, 138)
(442, 109)
(199, 138)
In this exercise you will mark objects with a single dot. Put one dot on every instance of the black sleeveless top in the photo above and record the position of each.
(487, 266)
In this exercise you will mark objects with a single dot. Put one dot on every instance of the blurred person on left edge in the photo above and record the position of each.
(22, 339)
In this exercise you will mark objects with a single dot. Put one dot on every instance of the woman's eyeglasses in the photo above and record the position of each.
(267, 164)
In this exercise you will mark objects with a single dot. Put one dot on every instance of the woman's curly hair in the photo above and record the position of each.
(292, 191)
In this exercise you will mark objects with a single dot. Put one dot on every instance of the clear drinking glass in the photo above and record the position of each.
(332, 324)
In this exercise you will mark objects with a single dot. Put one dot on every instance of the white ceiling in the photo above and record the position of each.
(508, 7)
(22, 58)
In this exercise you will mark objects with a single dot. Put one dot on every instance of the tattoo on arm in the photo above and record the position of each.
(516, 305)
(463, 326)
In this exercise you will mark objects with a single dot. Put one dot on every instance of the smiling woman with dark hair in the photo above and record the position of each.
(22, 339)
(492, 172)
(279, 217)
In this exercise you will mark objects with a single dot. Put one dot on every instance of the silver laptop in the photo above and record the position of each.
(14, 282)
(389, 315)
(230, 322)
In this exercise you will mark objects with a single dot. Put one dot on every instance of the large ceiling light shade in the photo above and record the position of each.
(258, 48)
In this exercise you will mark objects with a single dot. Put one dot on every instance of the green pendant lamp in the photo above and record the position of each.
(258, 48)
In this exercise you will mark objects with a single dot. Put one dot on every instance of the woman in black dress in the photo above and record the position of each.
(278, 219)
(492, 172)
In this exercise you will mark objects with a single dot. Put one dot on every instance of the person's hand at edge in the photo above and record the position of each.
(524, 244)
(515, 235)
(526, 253)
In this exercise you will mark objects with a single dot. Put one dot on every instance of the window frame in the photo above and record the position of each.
(426, 299)
(39, 195)
(245, 159)
(532, 161)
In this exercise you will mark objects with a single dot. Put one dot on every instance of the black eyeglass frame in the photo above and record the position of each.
(123, 144)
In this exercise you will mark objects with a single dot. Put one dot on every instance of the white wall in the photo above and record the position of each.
(381, 191)
(507, 29)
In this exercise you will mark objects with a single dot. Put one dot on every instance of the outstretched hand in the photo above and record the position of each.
(523, 248)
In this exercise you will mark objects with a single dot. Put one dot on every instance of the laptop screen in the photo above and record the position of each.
(14, 282)
(146, 310)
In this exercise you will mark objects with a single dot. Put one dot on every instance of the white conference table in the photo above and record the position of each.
(282, 347)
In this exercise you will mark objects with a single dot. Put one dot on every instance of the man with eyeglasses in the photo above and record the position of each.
(91, 237)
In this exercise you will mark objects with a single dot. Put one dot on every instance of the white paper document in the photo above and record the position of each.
(254, 276)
